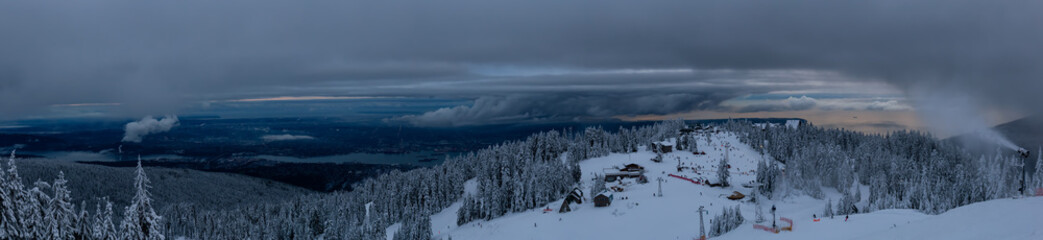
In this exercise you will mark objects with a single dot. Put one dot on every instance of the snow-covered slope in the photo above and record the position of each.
(636, 213)
(996, 219)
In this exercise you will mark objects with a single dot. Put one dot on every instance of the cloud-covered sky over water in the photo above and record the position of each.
(522, 60)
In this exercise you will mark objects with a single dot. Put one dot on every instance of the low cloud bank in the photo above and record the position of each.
(285, 137)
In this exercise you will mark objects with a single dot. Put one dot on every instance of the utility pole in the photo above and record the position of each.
(702, 229)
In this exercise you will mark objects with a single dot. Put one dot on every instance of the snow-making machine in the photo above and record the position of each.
(1024, 172)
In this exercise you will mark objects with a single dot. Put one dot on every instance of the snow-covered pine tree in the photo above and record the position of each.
(16, 197)
(693, 145)
(466, 213)
(8, 219)
(598, 186)
(765, 178)
(722, 172)
(60, 212)
(316, 224)
(577, 172)
(858, 194)
(760, 214)
(82, 227)
(103, 227)
(414, 228)
(828, 212)
(1039, 169)
(738, 219)
(37, 209)
(846, 205)
(680, 142)
(140, 221)
(730, 219)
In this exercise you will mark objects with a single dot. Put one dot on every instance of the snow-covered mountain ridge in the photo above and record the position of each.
(637, 213)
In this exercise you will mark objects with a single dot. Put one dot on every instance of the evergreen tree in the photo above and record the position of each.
(37, 220)
(82, 226)
(60, 212)
(598, 186)
(765, 178)
(103, 227)
(828, 212)
(16, 224)
(1039, 169)
(140, 221)
(730, 219)
(722, 172)
(415, 228)
(9, 225)
(858, 194)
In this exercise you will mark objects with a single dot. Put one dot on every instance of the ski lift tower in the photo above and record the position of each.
(702, 229)
(660, 180)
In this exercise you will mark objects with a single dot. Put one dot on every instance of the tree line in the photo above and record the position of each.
(902, 169)
(44, 210)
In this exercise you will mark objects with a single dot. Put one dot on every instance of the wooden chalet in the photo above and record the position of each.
(603, 199)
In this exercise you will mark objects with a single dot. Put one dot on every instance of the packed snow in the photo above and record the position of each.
(637, 213)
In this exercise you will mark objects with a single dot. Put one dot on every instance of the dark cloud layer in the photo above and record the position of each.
(157, 56)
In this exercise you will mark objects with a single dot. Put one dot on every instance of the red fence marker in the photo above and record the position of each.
(684, 178)
(765, 228)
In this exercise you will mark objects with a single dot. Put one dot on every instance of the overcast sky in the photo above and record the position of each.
(525, 60)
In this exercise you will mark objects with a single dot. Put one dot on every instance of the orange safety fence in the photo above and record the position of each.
(684, 178)
(790, 221)
(765, 228)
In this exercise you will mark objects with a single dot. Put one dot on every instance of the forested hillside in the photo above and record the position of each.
(902, 169)
(208, 190)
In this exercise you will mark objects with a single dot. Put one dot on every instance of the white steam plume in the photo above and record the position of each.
(134, 131)
(949, 112)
